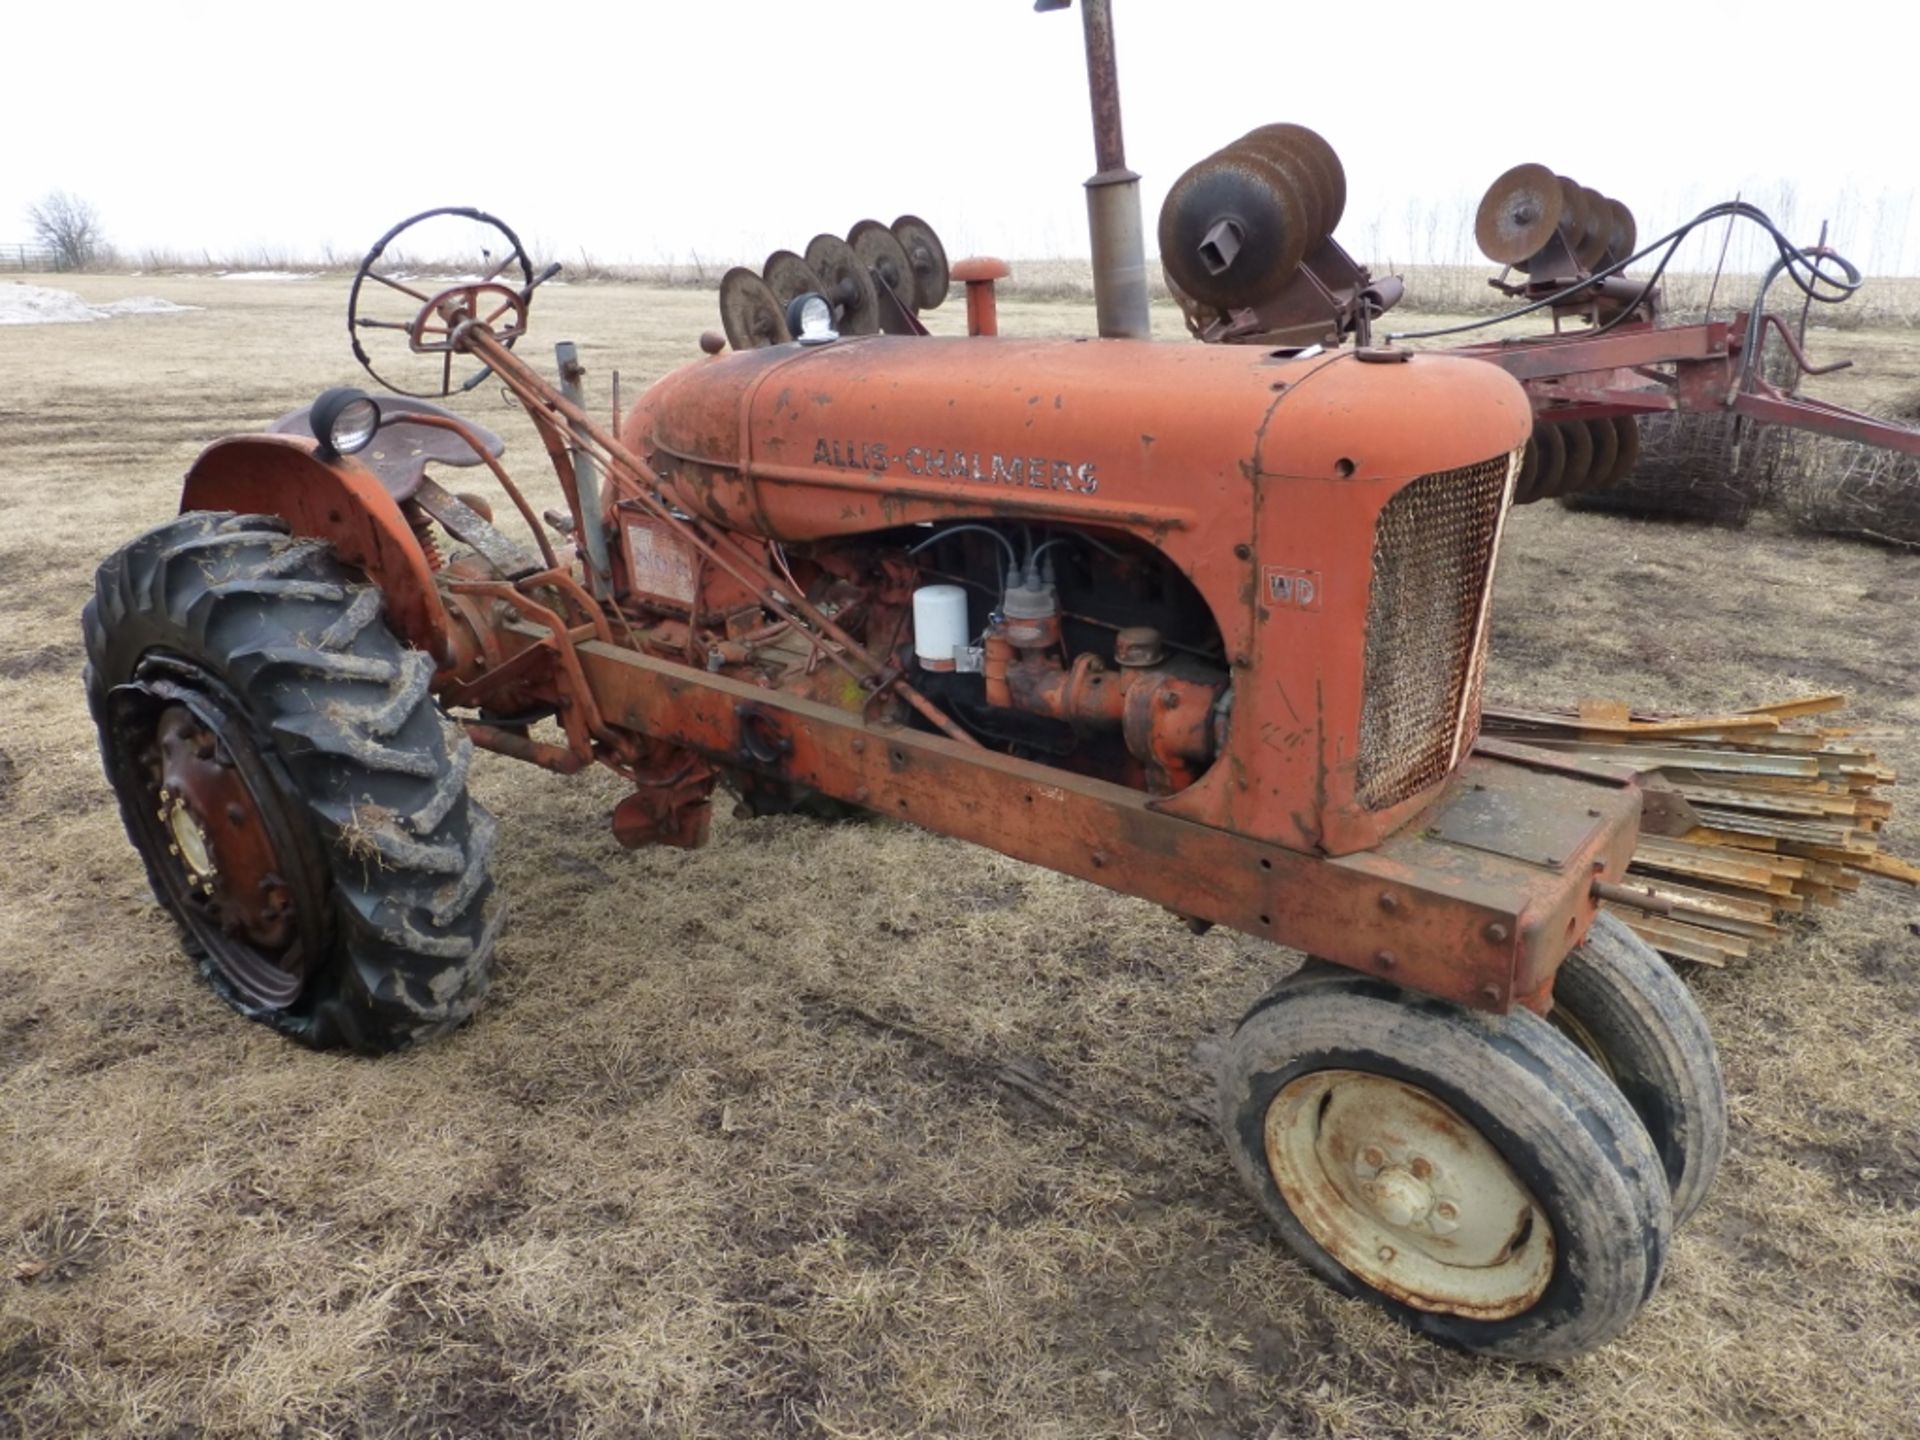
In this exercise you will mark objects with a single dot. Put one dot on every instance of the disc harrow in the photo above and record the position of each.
(1246, 243)
(1549, 225)
(878, 280)
(1576, 457)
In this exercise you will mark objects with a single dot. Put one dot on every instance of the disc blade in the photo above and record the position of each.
(1627, 448)
(1310, 150)
(1579, 443)
(749, 313)
(1233, 229)
(1553, 461)
(1529, 475)
(1622, 233)
(849, 287)
(1606, 454)
(1575, 221)
(789, 277)
(1518, 214)
(1295, 179)
(1593, 249)
(886, 257)
(927, 256)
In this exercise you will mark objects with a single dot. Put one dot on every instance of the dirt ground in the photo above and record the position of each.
(744, 1142)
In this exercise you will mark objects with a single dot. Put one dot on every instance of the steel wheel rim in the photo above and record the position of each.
(190, 841)
(1583, 1038)
(1407, 1195)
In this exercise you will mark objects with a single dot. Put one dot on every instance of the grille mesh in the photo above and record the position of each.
(1432, 561)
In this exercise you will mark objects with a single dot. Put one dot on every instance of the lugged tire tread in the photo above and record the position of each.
(357, 616)
(283, 589)
(294, 556)
(382, 775)
(405, 697)
(449, 786)
(326, 664)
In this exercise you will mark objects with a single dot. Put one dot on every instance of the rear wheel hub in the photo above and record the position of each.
(218, 834)
(226, 844)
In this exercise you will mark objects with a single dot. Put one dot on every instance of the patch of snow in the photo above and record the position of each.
(37, 305)
(444, 281)
(144, 305)
(22, 304)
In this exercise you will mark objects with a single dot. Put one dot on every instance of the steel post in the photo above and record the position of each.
(585, 479)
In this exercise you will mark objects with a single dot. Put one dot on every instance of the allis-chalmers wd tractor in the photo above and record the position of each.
(1205, 625)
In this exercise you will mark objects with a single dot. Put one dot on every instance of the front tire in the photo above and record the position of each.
(1476, 1176)
(297, 798)
(1620, 1002)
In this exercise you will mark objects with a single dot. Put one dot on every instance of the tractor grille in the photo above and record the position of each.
(1426, 647)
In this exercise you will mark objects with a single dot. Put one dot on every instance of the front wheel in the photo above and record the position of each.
(1477, 1176)
(297, 798)
(1621, 1003)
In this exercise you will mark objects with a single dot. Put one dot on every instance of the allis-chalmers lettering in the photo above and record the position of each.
(1036, 472)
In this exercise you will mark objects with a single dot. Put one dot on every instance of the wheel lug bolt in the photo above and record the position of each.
(1421, 1167)
(1387, 1253)
(1373, 1156)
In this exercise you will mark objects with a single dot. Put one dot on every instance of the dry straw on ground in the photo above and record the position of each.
(839, 1131)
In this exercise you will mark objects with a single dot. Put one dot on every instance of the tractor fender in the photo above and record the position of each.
(339, 501)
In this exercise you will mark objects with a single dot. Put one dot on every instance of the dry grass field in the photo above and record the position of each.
(745, 1141)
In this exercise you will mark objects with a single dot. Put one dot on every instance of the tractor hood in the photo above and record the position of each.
(803, 443)
(1339, 515)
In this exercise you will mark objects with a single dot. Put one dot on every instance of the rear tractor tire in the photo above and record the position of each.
(1476, 1176)
(299, 801)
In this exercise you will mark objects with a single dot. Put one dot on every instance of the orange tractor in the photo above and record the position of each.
(1203, 625)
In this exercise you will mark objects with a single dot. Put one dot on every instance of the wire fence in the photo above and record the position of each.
(24, 257)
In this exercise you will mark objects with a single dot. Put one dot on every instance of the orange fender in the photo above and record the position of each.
(340, 502)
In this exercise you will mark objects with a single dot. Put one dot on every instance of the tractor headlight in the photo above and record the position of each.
(810, 319)
(343, 420)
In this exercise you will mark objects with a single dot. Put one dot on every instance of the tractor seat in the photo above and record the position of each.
(400, 453)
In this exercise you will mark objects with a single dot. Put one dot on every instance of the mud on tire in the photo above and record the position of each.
(280, 657)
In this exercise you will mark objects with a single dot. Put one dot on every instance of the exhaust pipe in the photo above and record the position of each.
(1113, 193)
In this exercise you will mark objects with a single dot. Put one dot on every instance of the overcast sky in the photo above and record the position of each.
(648, 130)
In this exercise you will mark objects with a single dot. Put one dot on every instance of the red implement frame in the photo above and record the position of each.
(1643, 368)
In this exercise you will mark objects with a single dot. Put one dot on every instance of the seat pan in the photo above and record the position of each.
(401, 452)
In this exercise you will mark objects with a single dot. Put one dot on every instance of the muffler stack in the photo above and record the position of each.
(1236, 226)
(1537, 222)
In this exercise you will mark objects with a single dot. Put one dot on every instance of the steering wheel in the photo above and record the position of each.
(441, 326)
(440, 320)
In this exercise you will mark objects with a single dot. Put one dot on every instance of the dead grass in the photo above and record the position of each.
(839, 1131)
